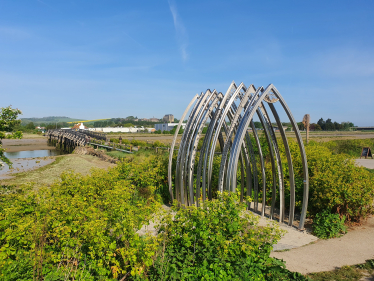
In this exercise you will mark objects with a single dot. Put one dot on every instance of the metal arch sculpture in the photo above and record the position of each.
(237, 148)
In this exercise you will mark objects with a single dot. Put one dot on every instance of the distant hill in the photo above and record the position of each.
(49, 119)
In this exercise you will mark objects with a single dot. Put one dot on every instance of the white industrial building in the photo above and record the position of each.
(168, 126)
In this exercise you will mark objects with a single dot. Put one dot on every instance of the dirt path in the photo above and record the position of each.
(355, 247)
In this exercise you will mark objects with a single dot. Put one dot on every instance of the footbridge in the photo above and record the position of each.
(67, 139)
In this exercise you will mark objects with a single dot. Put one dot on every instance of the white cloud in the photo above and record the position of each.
(182, 36)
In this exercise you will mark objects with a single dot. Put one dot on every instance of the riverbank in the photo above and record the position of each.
(37, 143)
(52, 171)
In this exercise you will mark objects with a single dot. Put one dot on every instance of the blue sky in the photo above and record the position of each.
(102, 59)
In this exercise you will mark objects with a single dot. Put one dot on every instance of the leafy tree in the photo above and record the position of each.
(338, 126)
(30, 126)
(329, 126)
(321, 123)
(315, 127)
(172, 131)
(301, 126)
(8, 121)
(258, 125)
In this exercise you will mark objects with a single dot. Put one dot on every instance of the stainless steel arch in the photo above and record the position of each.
(229, 121)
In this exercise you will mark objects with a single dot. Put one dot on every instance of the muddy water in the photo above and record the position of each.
(22, 165)
(33, 153)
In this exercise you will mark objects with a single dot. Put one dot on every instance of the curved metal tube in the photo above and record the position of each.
(173, 144)
(218, 107)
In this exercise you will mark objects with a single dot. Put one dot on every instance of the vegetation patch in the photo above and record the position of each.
(84, 226)
(327, 225)
(346, 273)
(217, 241)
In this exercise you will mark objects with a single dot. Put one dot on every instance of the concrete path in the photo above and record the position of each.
(367, 163)
(355, 247)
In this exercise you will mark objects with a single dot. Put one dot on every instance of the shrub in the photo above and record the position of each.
(335, 182)
(125, 141)
(158, 144)
(138, 143)
(327, 225)
(217, 241)
(82, 226)
(350, 147)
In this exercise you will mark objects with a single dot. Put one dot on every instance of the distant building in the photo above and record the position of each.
(79, 126)
(154, 120)
(42, 129)
(168, 126)
(144, 119)
(168, 118)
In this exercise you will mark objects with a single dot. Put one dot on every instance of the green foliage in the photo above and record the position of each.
(354, 272)
(218, 241)
(158, 144)
(172, 131)
(8, 118)
(350, 147)
(138, 143)
(327, 225)
(8, 121)
(335, 182)
(344, 273)
(83, 226)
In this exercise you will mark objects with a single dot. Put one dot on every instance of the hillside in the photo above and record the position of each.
(49, 119)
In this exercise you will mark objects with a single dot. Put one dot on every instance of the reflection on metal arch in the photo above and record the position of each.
(230, 116)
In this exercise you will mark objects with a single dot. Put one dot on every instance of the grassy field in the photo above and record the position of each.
(318, 136)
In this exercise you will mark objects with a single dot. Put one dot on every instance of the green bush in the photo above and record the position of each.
(327, 225)
(218, 241)
(335, 182)
(350, 147)
(82, 226)
(158, 144)
(138, 143)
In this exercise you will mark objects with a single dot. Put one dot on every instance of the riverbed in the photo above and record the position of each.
(27, 154)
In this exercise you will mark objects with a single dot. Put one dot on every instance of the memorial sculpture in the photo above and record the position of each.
(230, 116)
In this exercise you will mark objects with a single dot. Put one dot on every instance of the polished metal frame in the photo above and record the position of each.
(237, 149)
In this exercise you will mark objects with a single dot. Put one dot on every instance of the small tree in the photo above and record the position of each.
(8, 120)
